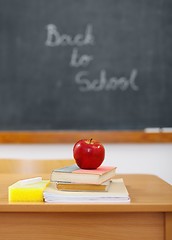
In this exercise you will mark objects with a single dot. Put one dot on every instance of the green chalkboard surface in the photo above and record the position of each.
(85, 64)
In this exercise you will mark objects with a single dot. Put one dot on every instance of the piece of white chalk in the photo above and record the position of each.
(167, 129)
(152, 130)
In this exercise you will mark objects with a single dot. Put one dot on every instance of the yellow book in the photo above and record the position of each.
(68, 186)
(27, 190)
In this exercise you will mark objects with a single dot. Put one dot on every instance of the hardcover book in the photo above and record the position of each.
(69, 186)
(76, 175)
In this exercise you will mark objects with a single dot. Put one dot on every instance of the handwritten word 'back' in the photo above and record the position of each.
(54, 38)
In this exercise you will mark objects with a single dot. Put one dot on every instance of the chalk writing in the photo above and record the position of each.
(77, 61)
(103, 83)
(54, 38)
(57, 39)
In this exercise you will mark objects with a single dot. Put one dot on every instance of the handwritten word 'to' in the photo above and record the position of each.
(78, 61)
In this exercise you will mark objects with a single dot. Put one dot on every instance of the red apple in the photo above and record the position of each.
(88, 154)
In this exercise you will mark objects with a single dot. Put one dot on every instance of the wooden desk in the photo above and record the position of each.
(147, 217)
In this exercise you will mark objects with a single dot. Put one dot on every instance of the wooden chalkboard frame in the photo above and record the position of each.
(110, 136)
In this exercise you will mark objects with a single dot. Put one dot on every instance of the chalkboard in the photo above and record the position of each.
(85, 64)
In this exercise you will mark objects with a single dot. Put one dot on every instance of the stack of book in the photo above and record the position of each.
(72, 184)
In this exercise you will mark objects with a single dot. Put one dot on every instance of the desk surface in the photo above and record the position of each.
(148, 193)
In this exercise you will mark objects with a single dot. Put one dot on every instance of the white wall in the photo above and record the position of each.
(129, 158)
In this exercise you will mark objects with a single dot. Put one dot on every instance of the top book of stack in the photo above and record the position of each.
(74, 174)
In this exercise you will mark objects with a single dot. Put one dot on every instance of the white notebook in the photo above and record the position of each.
(117, 193)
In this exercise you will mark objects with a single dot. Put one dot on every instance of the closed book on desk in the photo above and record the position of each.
(76, 175)
(68, 186)
(117, 192)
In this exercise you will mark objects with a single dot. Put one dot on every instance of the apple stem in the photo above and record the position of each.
(91, 140)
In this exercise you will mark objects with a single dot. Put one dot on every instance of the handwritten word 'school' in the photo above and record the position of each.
(103, 83)
(54, 38)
